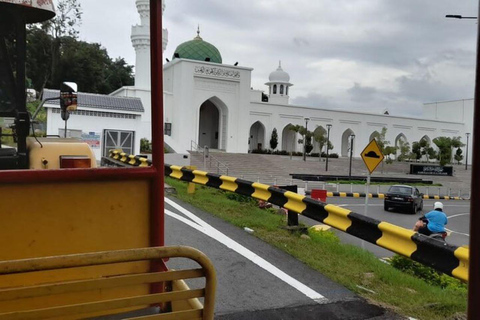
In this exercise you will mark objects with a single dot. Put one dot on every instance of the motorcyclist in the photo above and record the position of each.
(433, 222)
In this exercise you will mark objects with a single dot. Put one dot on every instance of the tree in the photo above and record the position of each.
(68, 18)
(64, 24)
(319, 135)
(87, 64)
(416, 151)
(383, 144)
(306, 135)
(459, 155)
(387, 152)
(445, 145)
(404, 148)
(274, 139)
(39, 57)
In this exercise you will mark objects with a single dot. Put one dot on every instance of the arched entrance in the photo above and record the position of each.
(257, 137)
(374, 135)
(288, 139)
(322, 134)
(212, 130)
(427, 139)
(346, 143)
(401, 143)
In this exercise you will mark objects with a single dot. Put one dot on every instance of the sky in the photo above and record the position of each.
(361, 55)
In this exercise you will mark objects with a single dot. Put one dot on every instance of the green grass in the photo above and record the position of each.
(346, 264)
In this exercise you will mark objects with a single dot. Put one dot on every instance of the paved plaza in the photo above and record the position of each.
(276, 170)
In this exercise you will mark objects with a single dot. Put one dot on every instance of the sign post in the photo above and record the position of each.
(372, 156)
(367, 192)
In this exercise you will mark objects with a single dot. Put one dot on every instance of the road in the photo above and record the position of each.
(458, 212)
(256, 280)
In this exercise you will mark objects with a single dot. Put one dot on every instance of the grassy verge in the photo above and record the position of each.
(348, 265)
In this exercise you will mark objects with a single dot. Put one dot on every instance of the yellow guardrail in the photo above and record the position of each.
(443, 257)
(87, 309)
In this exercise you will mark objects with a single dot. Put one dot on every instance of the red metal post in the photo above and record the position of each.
(157, 214)
(158, 206)
(474, 268)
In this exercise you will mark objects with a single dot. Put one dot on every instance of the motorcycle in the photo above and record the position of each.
(436, 235)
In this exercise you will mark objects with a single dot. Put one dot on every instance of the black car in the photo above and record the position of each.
(403, 197)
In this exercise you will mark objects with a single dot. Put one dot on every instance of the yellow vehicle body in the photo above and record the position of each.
(51, 219)
(45, 153)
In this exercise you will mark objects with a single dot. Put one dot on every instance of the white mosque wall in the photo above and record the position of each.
(192, 83)
(344, 123)
(455, 110)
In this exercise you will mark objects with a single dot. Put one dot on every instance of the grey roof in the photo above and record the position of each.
(99, 101)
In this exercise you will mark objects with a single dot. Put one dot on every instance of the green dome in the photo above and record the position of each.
(197, 49)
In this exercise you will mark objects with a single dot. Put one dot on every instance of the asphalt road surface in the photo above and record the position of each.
(458, 213)
(256, 280)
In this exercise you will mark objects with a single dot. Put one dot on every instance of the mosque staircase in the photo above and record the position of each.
(276, 170)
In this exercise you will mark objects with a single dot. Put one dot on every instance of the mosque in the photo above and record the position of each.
(209, 103)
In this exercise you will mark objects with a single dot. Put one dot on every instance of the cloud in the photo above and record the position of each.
(359, 55)
(361, 94)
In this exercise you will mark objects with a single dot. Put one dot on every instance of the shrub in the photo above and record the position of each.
(274, 139)
(429, 275)
(145, 145)
(239, 198)
(323, 236)
(261, 151)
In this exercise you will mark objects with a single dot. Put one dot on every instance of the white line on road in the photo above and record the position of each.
(210, 231)
(463, 234)
(458, 215)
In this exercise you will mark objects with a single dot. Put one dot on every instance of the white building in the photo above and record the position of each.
(103, 121)
(208, 103)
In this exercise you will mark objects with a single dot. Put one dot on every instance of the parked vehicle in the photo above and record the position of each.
(406, 198)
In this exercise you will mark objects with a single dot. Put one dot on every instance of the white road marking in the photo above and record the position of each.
(458, 215)
(210, 231)
(463, 234)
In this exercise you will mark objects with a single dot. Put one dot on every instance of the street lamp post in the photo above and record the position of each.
(351, 153)
(304, 140)
(466, 153)
(328, 142)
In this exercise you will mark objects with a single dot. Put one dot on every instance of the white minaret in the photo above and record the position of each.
(141, 42)
(279, 85)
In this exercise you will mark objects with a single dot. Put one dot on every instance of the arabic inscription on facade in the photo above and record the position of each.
(217, 72)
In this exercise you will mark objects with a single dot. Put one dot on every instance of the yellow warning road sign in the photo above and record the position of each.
(372, 156)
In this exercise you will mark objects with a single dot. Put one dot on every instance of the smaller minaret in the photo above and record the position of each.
(279, 86)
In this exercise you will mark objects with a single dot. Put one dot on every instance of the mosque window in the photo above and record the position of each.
(274, 89)
(281, 89)
(168, 129)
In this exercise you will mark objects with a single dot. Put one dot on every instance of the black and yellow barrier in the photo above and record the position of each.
(131, 160)
(439, 255)
(382, 196)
